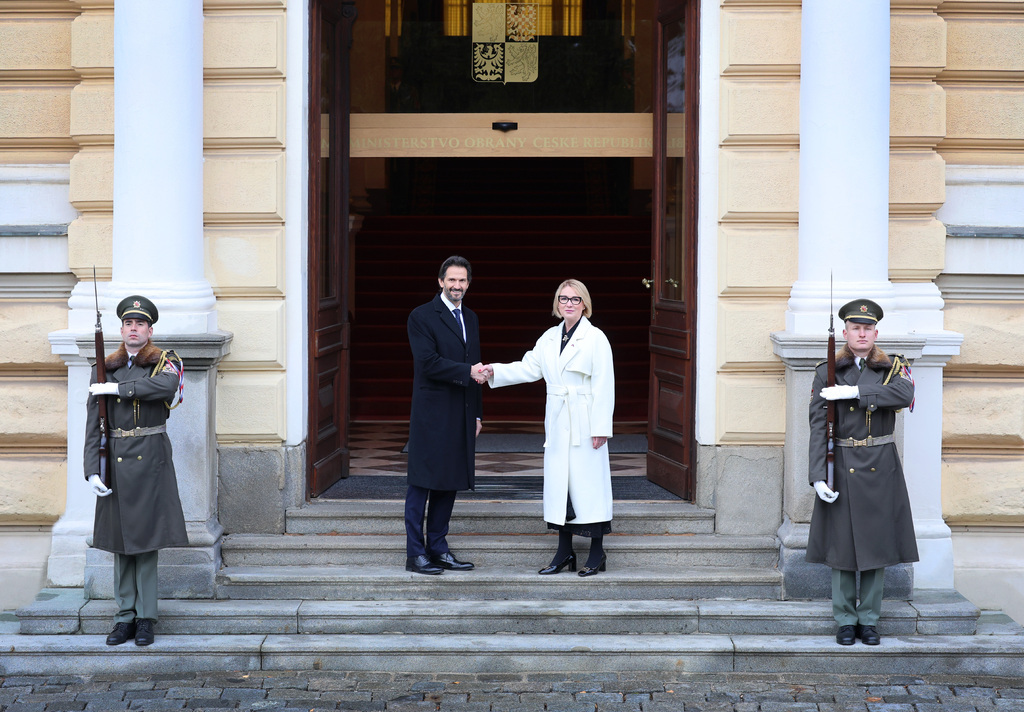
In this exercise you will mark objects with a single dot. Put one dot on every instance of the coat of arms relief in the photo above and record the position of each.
(505, 42)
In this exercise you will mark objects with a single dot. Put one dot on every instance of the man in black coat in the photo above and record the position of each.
(140, 513)
(445, 418)
(865, 523)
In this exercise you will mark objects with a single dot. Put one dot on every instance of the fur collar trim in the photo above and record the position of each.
(148, 356)
(877, 359)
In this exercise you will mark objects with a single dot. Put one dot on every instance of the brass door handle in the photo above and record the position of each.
(647, 282)
(671, 281)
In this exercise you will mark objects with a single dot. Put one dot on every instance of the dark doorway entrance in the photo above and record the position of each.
(585, 169)
(525, 224)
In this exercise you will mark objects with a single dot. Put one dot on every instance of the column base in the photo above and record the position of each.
(935, 546)
(801, 580)
(185, 572)
(24, 550)
(257, 485)
(66, 564)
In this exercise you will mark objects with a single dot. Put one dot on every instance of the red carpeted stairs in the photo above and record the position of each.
(517, 264)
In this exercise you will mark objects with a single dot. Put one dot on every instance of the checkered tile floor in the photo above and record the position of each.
(376, 449)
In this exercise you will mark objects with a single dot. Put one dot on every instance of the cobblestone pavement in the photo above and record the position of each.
(314, 691)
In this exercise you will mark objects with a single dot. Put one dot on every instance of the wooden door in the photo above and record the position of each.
(331, 38)
(670, 457)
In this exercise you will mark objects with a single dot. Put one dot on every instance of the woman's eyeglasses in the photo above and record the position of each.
(575, 301)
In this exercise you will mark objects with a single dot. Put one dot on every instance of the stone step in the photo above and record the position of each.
(358, 583)
(931, 613)
(526, 551)
(988, 655)
(486, 517)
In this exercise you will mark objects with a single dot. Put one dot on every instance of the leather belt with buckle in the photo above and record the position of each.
(137, 432)
(866, 442)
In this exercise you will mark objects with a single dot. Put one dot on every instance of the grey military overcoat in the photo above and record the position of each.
(144, 512)
(870, 525)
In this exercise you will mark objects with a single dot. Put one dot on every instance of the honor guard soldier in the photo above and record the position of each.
(140, 511)
(864, 522)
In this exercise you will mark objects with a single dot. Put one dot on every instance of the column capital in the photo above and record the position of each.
(199, 351)
(802, 352)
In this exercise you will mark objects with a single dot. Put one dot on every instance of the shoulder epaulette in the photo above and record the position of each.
(170, 361)
(897, 365)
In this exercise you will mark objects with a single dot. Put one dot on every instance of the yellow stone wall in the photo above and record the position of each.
(36, 85)
(758, 163)
(244, 191)
(917, 180)
(244, 206)
(983, 420)
(57, 106)
(956, 94)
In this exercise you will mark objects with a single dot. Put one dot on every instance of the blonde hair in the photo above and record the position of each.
(581, 289)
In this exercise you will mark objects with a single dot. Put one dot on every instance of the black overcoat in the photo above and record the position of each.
(144, 512)
(446, 401)
(870, 526)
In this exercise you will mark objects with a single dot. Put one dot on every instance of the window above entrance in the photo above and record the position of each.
(585, 56)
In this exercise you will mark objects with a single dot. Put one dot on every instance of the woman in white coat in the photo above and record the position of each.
(575, 360)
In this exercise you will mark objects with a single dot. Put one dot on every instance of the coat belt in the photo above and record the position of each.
(137, 432)
(867, 442)
(570, 396)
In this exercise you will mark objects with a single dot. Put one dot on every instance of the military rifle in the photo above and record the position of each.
(830, 407)
(101, 377)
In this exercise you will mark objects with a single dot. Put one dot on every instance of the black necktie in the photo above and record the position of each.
(458, 320)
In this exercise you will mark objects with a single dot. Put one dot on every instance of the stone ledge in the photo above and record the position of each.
(468, 654)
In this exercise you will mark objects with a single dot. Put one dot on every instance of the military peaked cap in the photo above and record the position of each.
(137, 307)
(861, 311)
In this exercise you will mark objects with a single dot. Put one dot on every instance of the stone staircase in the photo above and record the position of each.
(332, 593)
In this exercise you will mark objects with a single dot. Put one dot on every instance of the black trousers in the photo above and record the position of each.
(438, 514)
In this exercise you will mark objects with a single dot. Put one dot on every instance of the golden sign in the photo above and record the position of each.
(505, 45)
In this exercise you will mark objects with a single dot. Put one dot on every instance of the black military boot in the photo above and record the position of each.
(144, 631)
(122, 632)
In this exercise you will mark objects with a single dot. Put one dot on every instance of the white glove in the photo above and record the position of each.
(840, 392)
(98, 488)
(824, 493)
(103, 389)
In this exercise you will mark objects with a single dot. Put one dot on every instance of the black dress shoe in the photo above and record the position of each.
(868, 635)
(421, 565)
(592, 570)
(553, 568)
(122, 632)
(448, 561)
(847, 635)
(144, 631)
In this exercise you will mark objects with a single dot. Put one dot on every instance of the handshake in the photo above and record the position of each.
(481, 374)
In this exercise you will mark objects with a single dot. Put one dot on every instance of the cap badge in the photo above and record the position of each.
(136, 304)
(863, 308)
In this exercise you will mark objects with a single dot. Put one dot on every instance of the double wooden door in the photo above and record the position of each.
(667, 135)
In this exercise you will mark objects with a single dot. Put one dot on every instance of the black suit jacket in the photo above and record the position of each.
(446, 401)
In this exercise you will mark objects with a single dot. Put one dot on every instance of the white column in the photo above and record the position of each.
(158, 162)
(844, 161)
(922, 464)
(844, 233)
(66, 562)
(158, 247)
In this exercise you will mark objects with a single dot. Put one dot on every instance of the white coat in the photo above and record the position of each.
(580, 400)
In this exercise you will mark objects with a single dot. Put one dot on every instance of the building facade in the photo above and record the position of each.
(783, 156)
